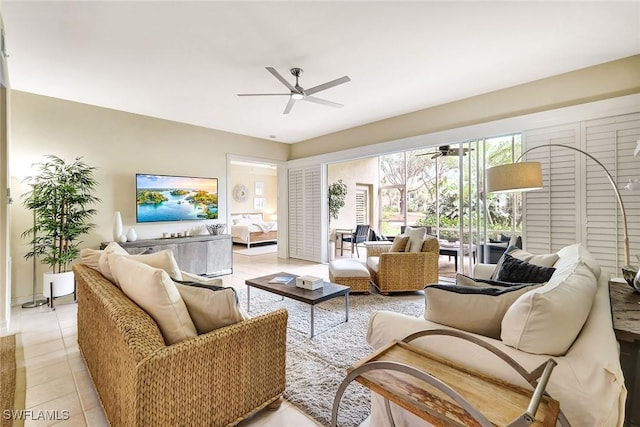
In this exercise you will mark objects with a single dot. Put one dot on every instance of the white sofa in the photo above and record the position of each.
(587, 381)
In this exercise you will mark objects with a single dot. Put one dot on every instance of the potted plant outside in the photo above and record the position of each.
(60, 196)
(337, 196)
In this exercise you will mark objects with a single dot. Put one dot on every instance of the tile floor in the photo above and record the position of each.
(57, 378)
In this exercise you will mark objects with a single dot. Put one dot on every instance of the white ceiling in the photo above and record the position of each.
(187, 61)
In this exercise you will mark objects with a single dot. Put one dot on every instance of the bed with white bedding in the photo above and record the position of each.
(250, 228)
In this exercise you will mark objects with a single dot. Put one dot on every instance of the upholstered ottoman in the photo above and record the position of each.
(352, 273)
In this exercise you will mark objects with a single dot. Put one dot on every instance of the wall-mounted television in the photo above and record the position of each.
(175, 198)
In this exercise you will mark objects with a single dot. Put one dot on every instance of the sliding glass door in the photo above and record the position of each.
(444, 188)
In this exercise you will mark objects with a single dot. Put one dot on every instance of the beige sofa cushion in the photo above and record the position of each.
(373, 262)
(547, 320)
(154, 291)
(161, 259)
(103, 263)
(471, 308)
(210, 308)
(91, 258)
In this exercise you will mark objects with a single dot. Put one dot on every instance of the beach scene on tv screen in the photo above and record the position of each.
(175, 198)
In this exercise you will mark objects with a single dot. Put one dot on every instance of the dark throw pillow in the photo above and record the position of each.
(463, 280)
(515, 270)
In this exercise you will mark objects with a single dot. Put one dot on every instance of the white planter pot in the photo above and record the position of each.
(332, 250)
(62, 284)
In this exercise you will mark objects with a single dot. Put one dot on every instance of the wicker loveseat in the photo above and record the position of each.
(215, 379)
(403, 271)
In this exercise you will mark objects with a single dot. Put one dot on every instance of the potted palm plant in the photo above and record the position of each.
(60, 195)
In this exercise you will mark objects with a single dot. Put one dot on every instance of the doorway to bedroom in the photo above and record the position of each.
(253, 207)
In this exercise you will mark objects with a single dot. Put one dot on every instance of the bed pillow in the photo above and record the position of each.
(154, 291)
(515, 270)
(399, 243)
(473, 309)
(211, 307)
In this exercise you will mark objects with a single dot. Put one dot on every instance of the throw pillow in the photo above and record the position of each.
(399, 243)
(430, 244)
(463, 280)
(548, 319)
(211, 307)
(472, 309)
(416, 236)
(515, 270)
(154, 291)
(545, 260)
(161, 259)
(103, 263)
(91, 258)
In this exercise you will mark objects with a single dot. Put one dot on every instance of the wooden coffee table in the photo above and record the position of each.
(290, 290)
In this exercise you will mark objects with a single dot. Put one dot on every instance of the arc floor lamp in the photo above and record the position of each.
(527, 176)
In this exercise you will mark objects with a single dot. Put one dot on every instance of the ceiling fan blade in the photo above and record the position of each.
(322, 101)
(278, 76)
(327, 85)
(263, 94)
(289, 106)
(435, 156)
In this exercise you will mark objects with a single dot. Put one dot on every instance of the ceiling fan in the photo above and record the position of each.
(298, 93)
(446, 150)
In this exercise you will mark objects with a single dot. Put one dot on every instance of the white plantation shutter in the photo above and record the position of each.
(361, 207)
(577, 203)
(612, 140)
(305, 198)
(551, 215)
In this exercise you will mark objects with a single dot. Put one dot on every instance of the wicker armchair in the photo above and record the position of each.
(215, 379)
(403, 271)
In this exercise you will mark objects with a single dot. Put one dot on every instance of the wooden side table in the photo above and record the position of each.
(625, 311)
(444, 393)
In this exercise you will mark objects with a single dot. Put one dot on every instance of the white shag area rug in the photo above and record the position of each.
(316, 366)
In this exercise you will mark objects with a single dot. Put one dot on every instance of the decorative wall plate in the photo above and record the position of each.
(240, 193)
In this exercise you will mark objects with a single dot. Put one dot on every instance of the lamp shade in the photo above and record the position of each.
(514, 177)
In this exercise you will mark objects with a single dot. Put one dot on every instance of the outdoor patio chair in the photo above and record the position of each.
(359, 236)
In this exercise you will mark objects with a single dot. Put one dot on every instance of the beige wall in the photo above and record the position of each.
(603, 81)
(119, 144)
(352, 173)
(248, 176)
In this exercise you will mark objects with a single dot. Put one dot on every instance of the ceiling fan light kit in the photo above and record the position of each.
(298, 93)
